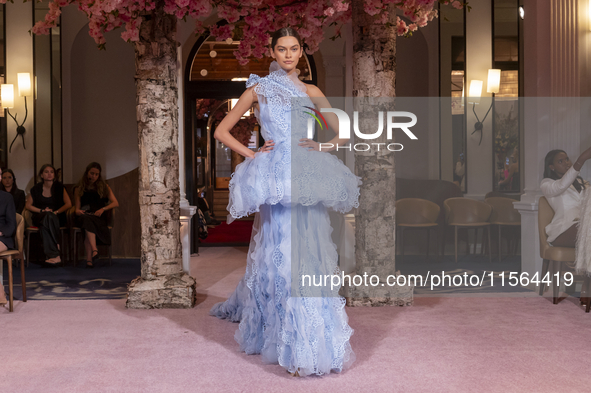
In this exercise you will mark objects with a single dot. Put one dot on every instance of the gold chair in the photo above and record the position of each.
(554, 258)
(415, 213)
(9, 255)
(467, 213)
(503, 214)
(30, 229)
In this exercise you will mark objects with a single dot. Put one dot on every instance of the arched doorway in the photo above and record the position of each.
(213, 77)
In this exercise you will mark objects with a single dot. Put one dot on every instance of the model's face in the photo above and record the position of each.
(93, 175)
(561, 164)
(48, 174)
(287, 52)
(7, 179)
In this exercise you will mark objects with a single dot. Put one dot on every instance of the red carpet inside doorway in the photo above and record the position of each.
(236, 232)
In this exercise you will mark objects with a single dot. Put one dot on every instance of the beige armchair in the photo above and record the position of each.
(503, 214)
(416, 213)
(554, 258)
(467, 213)
(9, 255)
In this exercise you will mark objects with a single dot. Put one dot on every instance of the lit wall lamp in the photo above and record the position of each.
(521, 12)
(494, 82)
(7, 96)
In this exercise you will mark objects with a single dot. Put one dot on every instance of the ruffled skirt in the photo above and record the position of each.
(304, 328)
(292, 176)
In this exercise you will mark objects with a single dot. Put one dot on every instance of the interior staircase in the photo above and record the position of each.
(220, 203)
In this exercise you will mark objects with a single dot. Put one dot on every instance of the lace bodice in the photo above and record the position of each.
(276, 92)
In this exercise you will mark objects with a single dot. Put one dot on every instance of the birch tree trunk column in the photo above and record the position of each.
(162, 283)
(374, 71)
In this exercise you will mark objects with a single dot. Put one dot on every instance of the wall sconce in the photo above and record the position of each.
(475, 92)
(7, 96)
(493, 84)
(521, 12)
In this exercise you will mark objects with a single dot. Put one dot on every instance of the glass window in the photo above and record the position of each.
(452, 43)
(506, 135)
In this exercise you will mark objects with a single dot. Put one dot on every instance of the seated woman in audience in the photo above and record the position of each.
(93, 197)
(48, 202)
(7, 228)
(563, 188)
(8, 184)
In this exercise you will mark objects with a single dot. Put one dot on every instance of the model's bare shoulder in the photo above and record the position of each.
(253, 94)
(314, 91)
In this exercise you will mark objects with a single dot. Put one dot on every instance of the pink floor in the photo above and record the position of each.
(439, 345)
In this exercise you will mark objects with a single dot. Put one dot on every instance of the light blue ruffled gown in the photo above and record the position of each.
(302, 328)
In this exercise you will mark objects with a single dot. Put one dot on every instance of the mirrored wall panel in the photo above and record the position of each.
(506, 123)
(48, 96)
(3, 130)
(452, 68)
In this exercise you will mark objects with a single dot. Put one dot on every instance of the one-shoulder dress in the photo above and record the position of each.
(302, 327)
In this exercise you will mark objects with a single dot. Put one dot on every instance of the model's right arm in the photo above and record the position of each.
(222, 131)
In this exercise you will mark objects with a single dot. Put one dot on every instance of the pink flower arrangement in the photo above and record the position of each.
(251, 20)
(205, 106)
(242, 131)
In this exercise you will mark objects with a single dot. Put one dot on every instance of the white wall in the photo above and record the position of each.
(99, 101)
(413, 80)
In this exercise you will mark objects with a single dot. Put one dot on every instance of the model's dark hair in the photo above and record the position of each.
(284, 32)
(43, 168)
(14, 187)
(84, 184)
(579, 183)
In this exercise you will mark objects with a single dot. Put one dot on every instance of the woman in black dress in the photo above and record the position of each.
(48, 201)
(93, 197)
(7, 229)
(8, 184)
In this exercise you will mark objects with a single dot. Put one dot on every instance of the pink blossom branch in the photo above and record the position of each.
(251, 20)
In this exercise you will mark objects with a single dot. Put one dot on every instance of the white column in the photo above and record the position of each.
(186, 214)
(187, 211)
(181, 107)
(551, 57)
(348, 33)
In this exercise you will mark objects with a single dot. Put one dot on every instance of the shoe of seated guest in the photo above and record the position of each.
(53, 261)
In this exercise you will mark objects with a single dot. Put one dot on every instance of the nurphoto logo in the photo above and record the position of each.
(345, 128)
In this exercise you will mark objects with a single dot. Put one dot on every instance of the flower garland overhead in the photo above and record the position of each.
(251, 21)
